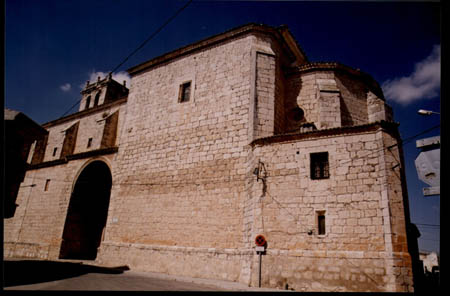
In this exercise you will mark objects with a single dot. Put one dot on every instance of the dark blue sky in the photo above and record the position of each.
(52, 47)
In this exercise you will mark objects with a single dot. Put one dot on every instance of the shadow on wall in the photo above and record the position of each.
(27, 272)
(295, 116)
(353, 99)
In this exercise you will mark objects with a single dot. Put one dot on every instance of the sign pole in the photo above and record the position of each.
(259, 282)
(261, 244)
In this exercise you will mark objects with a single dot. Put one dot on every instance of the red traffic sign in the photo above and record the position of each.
(260, 240)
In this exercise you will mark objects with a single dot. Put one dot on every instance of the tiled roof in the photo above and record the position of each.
(312, 66)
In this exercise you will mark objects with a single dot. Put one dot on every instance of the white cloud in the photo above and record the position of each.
(119, 77)
(66, 87)
(423, 83)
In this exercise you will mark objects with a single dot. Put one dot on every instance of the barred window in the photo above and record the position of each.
(185, 92)
(319, 166)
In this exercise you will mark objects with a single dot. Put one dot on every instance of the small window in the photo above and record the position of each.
(320, 222)
(319, 166)
(185, 92)
(88, 102)
(97, 98)
(89, 144)
(47, 183)
(54, 151)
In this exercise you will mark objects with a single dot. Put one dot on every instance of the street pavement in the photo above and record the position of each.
(64, 276)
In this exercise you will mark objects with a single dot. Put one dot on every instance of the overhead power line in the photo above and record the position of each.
(68, 110)
(210, 180)
(152, 35)
(421, 133)
(140, 46)
(372, 153)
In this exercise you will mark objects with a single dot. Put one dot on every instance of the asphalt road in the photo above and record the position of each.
(127, 281)
(65, 276)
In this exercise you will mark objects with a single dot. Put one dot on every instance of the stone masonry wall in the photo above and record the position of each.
(329, 109)
(355, 254)
(281, 112)
(302, 92)
(377, 109)
(268, 97)
(185, 199)
(89, 127)
(318, 95)
(180, 163)
(395, 219)
(333, 99)
(353, 99)
(36, 229)
(265, 95)
(181, 176)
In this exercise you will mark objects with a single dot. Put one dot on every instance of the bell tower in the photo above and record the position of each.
(102, 91)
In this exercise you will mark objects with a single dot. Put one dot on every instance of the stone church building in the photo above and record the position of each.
(212, 144)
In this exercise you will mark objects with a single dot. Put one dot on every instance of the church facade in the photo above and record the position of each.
(231, 137)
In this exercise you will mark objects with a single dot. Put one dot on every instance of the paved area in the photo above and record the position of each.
(56, 275)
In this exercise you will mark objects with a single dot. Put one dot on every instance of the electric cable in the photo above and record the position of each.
(141, 45)
(152, 35)
(205, 181)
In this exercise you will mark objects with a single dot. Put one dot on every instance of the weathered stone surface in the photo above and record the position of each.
(185, 199)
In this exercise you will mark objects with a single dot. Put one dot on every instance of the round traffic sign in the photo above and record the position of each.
(260, 240)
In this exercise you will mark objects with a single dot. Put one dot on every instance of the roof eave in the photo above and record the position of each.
(280, 33)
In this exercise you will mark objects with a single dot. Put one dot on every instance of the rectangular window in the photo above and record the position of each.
(47, 183)
(54, 151)
(319, 166)
(321, 222)
(185, 92)
(89, 144)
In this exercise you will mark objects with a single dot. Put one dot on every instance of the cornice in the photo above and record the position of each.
(85, 112)
(280, 34)
(390, 127)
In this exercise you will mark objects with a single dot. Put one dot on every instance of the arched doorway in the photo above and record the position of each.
(86, 216)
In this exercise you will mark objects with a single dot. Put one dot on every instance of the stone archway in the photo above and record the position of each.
(87, 213)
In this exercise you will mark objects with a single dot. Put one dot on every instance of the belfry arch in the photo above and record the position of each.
(87, 212)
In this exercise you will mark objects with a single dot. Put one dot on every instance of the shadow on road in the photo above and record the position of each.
(26, 272)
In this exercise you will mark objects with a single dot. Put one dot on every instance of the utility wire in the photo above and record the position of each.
(153, 35)
(68, 110)
(141, 46)
(372, 153)
(421, 133)
(171, 182)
